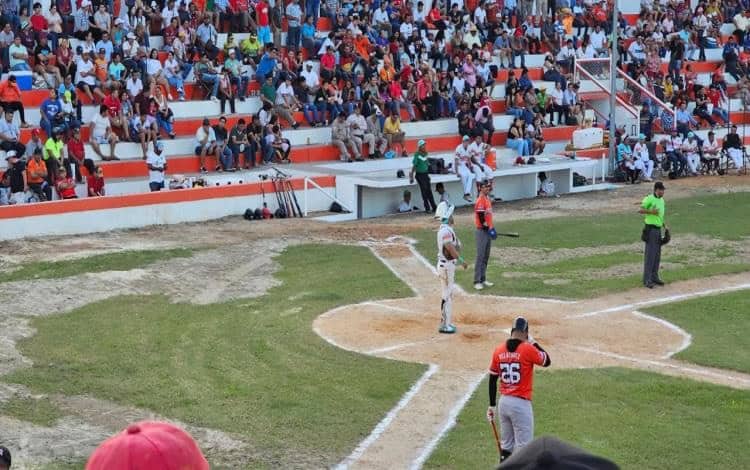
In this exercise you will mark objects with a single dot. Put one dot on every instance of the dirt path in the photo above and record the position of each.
(599, 332)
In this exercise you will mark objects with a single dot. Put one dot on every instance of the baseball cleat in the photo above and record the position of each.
(659, 282)
(478, 286)
(488, 284)
(448, 330)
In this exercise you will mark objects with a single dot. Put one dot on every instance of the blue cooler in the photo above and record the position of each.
(24, 80)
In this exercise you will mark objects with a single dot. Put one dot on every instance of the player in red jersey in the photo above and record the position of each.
(513, 362)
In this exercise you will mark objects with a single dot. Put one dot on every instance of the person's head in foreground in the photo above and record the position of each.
(550, 453)
(5, 459)
(148, 445)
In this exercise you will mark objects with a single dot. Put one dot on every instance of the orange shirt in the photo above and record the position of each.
(100, 66)
(9, 92)
(483, 206)
(362, 45)
(31, 167)
(516, 369)
(387, 73)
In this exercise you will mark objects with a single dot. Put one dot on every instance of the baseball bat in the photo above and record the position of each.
(294, 196)
(508, 234)
(288, 193)
(497, 440)
(285, 197)
(278, 196)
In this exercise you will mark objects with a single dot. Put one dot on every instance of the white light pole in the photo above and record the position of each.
(613, 88)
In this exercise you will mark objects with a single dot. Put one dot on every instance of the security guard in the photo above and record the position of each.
(421, 170)
(653, 208)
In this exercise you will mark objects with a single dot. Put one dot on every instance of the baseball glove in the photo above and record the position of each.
(665, 239)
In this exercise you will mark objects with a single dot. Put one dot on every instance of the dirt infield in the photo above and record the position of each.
(235, 261)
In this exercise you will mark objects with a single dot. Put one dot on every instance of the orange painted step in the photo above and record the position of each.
(534, 74)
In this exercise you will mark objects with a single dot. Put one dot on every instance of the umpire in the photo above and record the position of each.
(653, 209)
(420, 168)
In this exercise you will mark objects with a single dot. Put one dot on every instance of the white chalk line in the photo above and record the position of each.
(447, 425)
(687, 338)
(388, 265)
(387, 420)
(434, 339)
(687, 370)
(661, 300)
(388, 307)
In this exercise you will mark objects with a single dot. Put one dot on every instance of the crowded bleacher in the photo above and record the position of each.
(99, 75)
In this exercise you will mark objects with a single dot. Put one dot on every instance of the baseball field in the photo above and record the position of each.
(298, 344)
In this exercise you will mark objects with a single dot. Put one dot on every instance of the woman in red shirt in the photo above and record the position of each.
(66, 187)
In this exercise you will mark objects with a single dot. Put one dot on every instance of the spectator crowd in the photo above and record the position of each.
(430, 60)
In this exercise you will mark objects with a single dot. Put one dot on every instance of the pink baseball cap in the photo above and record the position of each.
(148, 445)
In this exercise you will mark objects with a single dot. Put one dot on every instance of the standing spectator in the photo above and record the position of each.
(241, 19)
(205, 144)
(156, 162)
(236, 76)
(342, 139)
(77, 154)
(81, 21)
(266, 66)
(143, 129)
(53, 155)
(309, 42)
(420, 172)
(51, 113)
(10, 135)
(6, 40)
(206, 37)
(294, 22)
(484, 224)
(101, 133)
(262, 11)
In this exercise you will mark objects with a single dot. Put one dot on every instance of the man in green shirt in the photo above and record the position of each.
(53, 156)
(420, 170)
(653, 209)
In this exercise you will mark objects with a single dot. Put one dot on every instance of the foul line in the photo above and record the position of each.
(449, 423)
(388, 265)
(687, 338)
(691, 370)
(387, 307)
(385, 422)
(662, 300)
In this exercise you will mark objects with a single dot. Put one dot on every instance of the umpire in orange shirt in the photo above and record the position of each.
(484, 235)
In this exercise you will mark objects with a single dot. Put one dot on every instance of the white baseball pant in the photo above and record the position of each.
(736, 156)
(693, 161)
(467, 177)
(516, 422)
(447, 274)
(646, 165)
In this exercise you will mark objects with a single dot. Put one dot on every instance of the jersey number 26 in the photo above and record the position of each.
(510, 372)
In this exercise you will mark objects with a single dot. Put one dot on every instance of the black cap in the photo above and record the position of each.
(551, 453)
(12, 78)
(659, 185)
(5, 456)
(206, 122)
(520, 324)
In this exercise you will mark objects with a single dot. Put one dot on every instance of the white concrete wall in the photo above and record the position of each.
(70, 223)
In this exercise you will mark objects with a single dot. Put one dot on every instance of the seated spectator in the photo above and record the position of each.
(43, 67)
(116, 117)
(176, 72)
(10, 135)
(95, 180)
(643, 161)
(711, 153)
(266, 66)
(65, 186)
(18, 56)
(673, 149)
(685, 121)
(51, 114)
(34, 142)
(690, 149)
(342, 138)
(13, 184)
(240, 145)
(516, 138)
(101, 133)
(277, 147)
(206, 73)
(314, 113)
(144, 129)
(156, 162)
(164, 115)
(85, 78)
(359, 132)
(36, 177)
(374, 127)
(393, 133)
(483, 123)
(205, 144)
(10, 98)
(405, 205)
(155, 73)
(223, 151)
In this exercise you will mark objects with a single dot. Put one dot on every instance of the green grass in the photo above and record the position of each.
(252, 367)
(720, 327)
(118, 261)
(724, 217)
(63, 465)
(638, 419)
(40, 412)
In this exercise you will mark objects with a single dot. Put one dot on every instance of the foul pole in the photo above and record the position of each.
(613, 87)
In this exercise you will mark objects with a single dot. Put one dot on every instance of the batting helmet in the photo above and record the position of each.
(520, 324)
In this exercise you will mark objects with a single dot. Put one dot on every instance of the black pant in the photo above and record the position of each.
(423, 179)
(14, 106)
(43, 190)
(652, 255)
